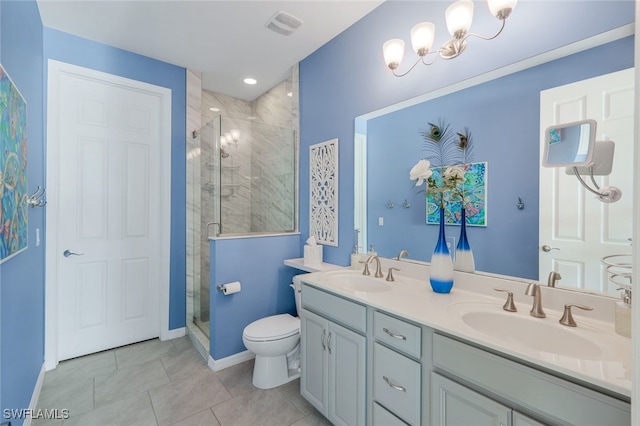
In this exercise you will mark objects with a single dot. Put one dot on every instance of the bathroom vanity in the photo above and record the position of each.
(395, 353)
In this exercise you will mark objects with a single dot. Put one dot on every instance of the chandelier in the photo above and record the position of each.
(458, 16)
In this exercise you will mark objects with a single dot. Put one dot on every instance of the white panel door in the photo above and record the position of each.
(109, 214)
(580, 229)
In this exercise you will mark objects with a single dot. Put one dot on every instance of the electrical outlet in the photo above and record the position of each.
(451, 245)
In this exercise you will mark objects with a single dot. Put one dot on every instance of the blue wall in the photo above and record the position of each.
(258, 264)
(503, 116)
(22, 277)
(85, 53)
(347, 77)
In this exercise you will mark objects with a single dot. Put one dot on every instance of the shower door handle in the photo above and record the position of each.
(68, 253)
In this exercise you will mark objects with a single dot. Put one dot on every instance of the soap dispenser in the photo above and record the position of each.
(356, 256)
(623, 313)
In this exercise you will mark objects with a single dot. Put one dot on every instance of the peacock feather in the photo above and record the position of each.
(466, 146)
(441, 145)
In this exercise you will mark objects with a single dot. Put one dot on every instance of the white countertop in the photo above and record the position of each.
(299, 264)
(414, 300)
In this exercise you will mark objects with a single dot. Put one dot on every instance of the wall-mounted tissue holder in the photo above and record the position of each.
(230, 288)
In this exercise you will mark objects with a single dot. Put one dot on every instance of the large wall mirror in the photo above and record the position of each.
(503, 113)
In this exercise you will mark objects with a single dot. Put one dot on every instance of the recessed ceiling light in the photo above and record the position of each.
(249, 80)
(214, 109)
(290, 94)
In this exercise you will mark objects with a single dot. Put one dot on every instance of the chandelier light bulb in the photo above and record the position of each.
(422, 36)
(459, 16)
(393, 51)
(501, 9)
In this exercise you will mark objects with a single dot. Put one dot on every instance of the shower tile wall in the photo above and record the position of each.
(273, 160)
(252, 173)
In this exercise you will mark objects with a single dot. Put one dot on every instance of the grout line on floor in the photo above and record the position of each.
(152, 407)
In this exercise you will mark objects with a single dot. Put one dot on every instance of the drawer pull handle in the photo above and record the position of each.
(324, 348)
(396, 387)
(329, 343)
(395, 336)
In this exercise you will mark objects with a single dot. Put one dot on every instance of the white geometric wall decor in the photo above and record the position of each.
(323, 192)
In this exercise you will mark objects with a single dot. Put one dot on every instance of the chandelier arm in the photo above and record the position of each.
(483, 37)
(421, 58)
(434, 58)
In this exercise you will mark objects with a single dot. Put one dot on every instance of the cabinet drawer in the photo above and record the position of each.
(535, 390)
(335, 308)
(396, 383)
(381, 417)
(397, 333)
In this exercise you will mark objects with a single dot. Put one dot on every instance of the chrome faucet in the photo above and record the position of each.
(378, 273)
(533, 289)
(553, 277)
(402, 254)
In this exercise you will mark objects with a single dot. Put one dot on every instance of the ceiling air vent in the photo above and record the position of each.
(283, 23)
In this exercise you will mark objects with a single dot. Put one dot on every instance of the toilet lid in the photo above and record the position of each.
(272, 328)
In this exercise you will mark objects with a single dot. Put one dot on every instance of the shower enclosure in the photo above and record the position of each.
(247, 186)
(241, 178)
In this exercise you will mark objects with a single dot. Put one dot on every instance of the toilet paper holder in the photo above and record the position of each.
(229, 288)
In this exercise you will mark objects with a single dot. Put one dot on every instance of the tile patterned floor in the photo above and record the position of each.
(159, 383)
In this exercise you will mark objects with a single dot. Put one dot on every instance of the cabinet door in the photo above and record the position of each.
(347, 371)
(520, 419)
(455, 405)
(382, 417)
(314, 362)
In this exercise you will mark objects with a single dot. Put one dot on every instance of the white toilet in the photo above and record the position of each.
(273, 339)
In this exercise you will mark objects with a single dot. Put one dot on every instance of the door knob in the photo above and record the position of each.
(547, 249)
(68, 253)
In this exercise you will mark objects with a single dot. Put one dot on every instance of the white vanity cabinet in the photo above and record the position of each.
(362, 364)
(488, 377)
(333, 364)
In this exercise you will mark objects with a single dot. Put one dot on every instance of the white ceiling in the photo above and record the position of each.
(225, 40)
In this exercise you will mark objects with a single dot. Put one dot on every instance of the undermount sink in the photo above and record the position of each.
(520, 329)
(355, 281)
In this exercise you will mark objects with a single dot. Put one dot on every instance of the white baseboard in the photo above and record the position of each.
(221, 364)
(173, 334)
(35, 395)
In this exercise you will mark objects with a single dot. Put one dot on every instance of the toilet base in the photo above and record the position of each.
(272, 371)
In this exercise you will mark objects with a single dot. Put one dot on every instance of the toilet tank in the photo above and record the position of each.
(297, 282)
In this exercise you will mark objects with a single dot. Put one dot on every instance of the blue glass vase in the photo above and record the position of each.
(464, 256)
(441, 271)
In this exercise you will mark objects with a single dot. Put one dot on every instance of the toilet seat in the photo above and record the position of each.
(271, 328)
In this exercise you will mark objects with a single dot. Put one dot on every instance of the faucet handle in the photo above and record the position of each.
(508, 305)
(366, 268)
(390, 274)
(567, 317)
